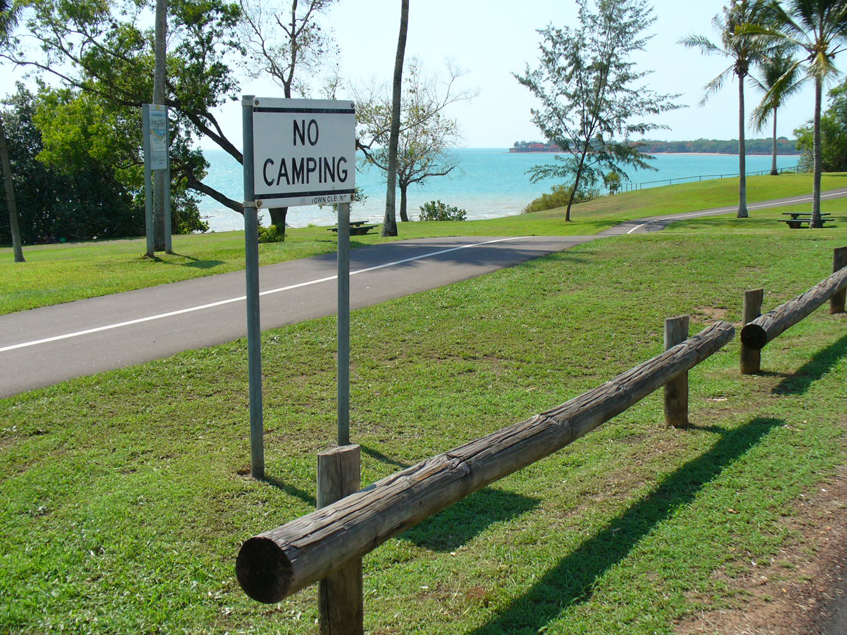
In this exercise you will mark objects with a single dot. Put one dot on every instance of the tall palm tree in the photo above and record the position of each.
(389, 224)
(744, 51)
(817, 28)
(780, 78)
(8, 20)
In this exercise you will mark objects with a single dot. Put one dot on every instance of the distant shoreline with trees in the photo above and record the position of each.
(785, 146)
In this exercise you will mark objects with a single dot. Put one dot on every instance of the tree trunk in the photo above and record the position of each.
(278, 216)
(774, 169)
(742, 154)
(159, 99)
(576, 183)
(404, 216)
(389, 226)
(816, 188)
(11, 204)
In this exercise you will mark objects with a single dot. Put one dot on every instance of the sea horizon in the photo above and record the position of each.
(489, 183)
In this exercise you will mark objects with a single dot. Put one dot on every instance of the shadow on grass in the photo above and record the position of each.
(823, 361)
(291, 490)
(460, 523)
(570, 581)
(195, 263)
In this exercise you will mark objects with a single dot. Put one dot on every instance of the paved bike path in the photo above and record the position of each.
(45, 346)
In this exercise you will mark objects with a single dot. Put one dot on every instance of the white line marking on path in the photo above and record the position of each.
(212, 305)
(727, 210)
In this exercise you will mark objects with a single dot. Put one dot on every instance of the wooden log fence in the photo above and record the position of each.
(327, 545)
(282, 561)
(768, 327)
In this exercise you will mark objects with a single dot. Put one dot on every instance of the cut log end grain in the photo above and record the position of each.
(264, 571)
(754, 337)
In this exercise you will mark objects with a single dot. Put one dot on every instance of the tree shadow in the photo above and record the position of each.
(196, 263)
(800, 381)
(570, 581)
(460, 523)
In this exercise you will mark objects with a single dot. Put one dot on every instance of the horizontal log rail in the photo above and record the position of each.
(768, 327)
(282, 561)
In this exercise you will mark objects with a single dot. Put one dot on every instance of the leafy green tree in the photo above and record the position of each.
(74, 202)
(105, 48)
(8, 20)
(743, 51)
(427, 134)
(591, 94)
(818, 29)
(780, 78)
(833, 131)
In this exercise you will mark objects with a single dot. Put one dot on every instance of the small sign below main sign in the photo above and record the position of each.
(304, 152)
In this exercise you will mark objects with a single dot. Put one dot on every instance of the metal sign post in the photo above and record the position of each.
(297, 152)
(254, 331)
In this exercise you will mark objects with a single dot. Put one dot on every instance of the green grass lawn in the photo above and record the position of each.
(62, 273)
(126, 495)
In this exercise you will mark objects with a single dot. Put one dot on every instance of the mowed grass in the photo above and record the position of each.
(126, 495)
(62, 273)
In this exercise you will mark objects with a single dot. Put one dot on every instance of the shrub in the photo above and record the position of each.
(559, 197)
(436, 210)
(270, 234)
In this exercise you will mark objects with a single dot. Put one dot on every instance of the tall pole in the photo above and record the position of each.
(254, 331)
(159, 52)
(343, 324)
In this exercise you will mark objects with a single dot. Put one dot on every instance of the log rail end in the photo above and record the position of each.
(264, 571)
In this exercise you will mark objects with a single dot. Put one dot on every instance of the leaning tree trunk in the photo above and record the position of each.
(404, 216)
(816, 188)
(389, 224)
(774, 169)
(742, 154)
(11, 204)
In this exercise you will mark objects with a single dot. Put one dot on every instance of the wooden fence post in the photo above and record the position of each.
(676, 390)
(751, 359)
(839, 261)
(340, 595)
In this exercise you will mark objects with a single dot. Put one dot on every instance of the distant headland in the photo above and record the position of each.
(784, 146)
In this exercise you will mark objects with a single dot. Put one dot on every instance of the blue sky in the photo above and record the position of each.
(490, 39)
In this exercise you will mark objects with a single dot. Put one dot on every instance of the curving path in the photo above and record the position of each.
(49, 345)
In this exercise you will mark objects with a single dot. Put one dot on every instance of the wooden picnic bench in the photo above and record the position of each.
(357, 228)
(798, 219)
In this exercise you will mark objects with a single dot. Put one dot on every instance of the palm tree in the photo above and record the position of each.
(389, 224)
(8, 20)
(818, 28)
(744, 51)
(779, 80)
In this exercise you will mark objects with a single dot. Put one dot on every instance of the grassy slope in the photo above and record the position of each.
(125, 496)
(62, 273)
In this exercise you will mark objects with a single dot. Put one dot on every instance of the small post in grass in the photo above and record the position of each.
(340, 595)
(751, 359)
(839, 261)
(676, 390)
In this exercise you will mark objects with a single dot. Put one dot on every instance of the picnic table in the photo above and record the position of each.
(798, 219)
(357, 227)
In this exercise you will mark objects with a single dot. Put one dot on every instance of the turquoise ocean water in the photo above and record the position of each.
(489, 183)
